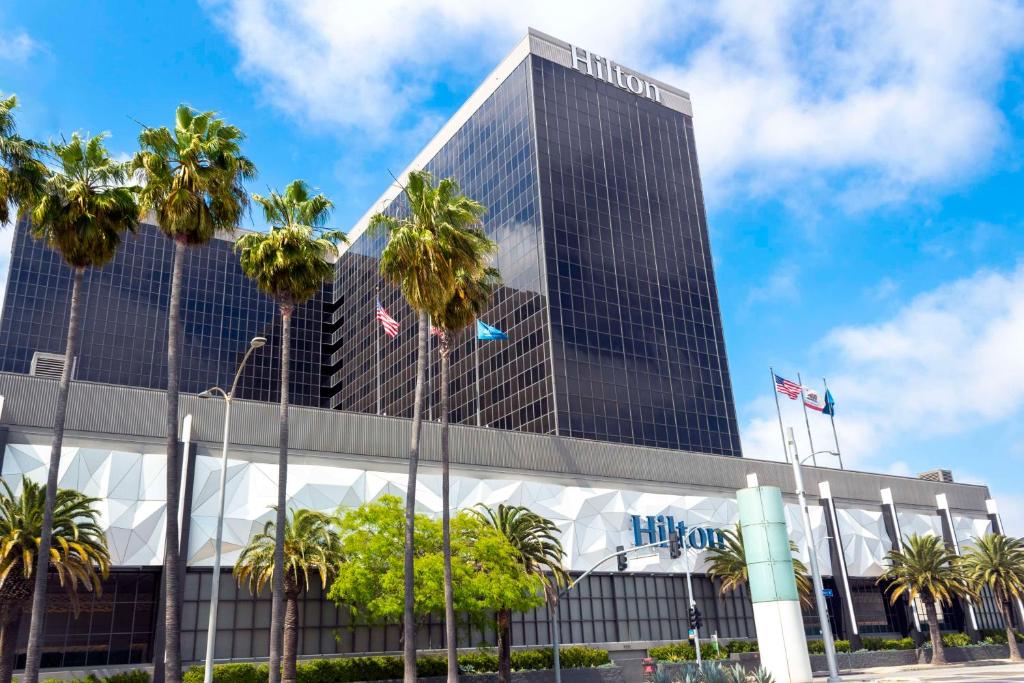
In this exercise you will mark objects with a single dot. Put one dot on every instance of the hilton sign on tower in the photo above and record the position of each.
(605, 69)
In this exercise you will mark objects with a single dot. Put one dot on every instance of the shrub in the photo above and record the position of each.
(478, 662)
(533, 660)
(742, 646)
(676, 652)
(956, 640)
(230, 673)
(133, 676)
(579, 657)
(898, 644)
(998, 636)
(355, 669)
(842, 645)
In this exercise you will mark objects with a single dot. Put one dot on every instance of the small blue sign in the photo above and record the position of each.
(827, 592)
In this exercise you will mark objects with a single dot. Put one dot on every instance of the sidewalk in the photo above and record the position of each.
(973, 672)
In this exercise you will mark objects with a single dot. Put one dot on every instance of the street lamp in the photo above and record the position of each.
(812, 556)
(211, 633)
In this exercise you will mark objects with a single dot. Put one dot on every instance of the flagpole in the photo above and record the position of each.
(835, 434)
(380, 328)
(803, 402)
(476, 372)
(778, 411)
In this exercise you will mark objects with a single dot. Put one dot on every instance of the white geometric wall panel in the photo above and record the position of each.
(818, 528)
(865, 542)
(592, 519)
(130, 486)
(969, 528)
(919, 523)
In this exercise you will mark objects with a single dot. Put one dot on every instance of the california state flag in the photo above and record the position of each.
(813, 399)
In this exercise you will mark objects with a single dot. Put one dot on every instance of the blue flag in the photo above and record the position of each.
(485, 332)
(830, 404)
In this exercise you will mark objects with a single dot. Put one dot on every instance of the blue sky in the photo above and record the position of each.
(862, 167)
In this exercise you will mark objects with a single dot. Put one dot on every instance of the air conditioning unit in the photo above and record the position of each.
(48, 365)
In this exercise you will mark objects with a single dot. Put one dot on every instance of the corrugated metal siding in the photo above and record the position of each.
(115, 410)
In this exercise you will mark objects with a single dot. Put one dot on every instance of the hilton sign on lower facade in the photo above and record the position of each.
(655, 528)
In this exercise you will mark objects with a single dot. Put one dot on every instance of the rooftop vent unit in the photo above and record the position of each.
(944, 476)
(48, 365)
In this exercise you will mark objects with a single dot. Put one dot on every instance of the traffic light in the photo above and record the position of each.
(674, 549)
(621, 558)
(695, 618)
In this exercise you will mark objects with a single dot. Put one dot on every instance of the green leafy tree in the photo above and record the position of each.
(996, 562)
(290, 264)
(924, 569)
(423, 253)
(77, 554)
(310, 547)
(488, 570)
(728, 564)
(192, 179)
(81, 211)
(372, 580)
(539, 553)
(472, 293)
(21, 173)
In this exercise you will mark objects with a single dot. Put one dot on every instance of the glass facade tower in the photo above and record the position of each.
(590, 177)
(124, 319)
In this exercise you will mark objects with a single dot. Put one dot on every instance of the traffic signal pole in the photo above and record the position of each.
(619, 552)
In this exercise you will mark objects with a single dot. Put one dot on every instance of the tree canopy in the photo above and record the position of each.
(486, 569)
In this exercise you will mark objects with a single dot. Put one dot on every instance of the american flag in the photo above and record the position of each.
(784, 386)
(389, 324)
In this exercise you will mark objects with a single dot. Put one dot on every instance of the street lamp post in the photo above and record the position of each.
(812, 556)
(211, 632)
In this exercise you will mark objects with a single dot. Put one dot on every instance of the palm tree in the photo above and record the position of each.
(81, 212)
(423, 253)
(996, 561)
(535, 539)
(310, 546)
(728, 565)
(925, 569)
(193, 181)
(21, 174)
(472, 294)
(290, 264)
(78, 553)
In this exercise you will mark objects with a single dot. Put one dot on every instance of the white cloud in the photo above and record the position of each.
(944, 366)
(6, 241)
(780, 286)
(900, 94)
(16, 47)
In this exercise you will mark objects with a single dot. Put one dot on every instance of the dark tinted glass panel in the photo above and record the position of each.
(124, 319)
(639, 355)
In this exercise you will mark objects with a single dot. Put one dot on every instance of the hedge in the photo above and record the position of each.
(998, 636)
(133, 676)
(355, 669)
(684, 652)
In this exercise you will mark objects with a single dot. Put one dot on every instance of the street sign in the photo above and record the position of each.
(827, 592)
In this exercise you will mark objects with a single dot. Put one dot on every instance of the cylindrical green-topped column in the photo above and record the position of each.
(777, 617)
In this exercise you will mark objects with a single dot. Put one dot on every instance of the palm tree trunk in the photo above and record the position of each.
(277, 616)
(445, 349)
(291, 636)
(35, 632)
(9, 642)
(504, 646)
(1011, 637)
(172, 581)
(409, 613)
(938, 652)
